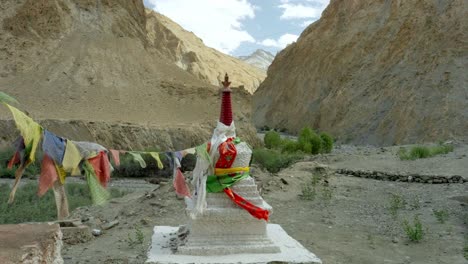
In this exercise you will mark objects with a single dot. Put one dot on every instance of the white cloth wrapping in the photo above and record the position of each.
(205, 167)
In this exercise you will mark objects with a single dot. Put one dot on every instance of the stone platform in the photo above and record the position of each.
(30, 243)
(291, 251)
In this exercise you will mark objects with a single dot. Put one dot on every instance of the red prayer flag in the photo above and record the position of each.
(180, 185)
(14, 160)
(48, 175)
(101, 167)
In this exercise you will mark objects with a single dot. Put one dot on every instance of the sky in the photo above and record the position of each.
(239, 27)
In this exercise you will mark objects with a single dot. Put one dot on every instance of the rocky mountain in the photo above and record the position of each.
(376, 72)
(92, 66)
(260, 59)
(190, 54)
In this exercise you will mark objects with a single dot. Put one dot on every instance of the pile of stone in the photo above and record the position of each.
(403, 177)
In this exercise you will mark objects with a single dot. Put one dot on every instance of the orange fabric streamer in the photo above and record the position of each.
(48, 175)
(254, 210)
(101, 167)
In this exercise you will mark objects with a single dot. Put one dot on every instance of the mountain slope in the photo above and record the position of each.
(91, 61)
(189, 53)
(260, 58)
(377, 72)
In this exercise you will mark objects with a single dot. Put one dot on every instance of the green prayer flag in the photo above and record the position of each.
(99, 195)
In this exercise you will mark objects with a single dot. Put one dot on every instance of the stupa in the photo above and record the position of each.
(228, 217)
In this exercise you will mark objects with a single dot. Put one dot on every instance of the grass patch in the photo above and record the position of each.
(32, 170)
(29, 208)
(441, 215)
(274, 160)
(423, 152)
(414, 231)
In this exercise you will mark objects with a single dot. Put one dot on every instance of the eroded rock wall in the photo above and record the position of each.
(374, 72)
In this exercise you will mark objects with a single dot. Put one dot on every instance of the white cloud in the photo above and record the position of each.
(296, 9)
(282, 42)
(217, 23)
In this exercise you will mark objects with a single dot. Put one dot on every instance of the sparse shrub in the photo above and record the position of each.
(273, 160)
(441, 149)
(413, 232)
(272, 140)
(441, 215)
(327, 142)
(397, 202)
(137, 238)
(308, 192)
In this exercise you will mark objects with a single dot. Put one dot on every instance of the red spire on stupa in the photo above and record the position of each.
(226, 106)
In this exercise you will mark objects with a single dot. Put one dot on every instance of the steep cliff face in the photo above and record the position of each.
(377, 72)
(92, 61)
(189, 53)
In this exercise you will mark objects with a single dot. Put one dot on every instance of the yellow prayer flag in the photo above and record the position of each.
(71, 158)
(61, 173)
(29, 129)
(155, 155)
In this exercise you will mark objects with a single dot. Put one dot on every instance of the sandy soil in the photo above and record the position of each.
(348, 221)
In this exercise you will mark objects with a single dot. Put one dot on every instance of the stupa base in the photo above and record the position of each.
(291, 251)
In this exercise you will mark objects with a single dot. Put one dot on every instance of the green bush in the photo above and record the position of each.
(272, 140)
(316, 143)
(273, 160)
(290, 146)
(327, 142)
(311, 143)
(29, 208)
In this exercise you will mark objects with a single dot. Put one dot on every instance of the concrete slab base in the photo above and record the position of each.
(291, 251)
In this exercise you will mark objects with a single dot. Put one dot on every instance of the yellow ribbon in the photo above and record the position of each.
(221, 171)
